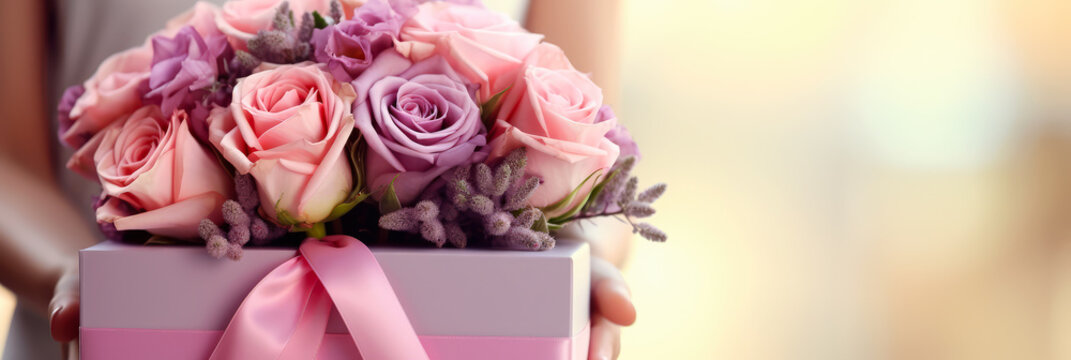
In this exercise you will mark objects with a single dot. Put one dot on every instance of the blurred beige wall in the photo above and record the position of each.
(879, 179)
(735, 104)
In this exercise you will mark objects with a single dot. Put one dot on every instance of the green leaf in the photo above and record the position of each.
(598, 189)
(357, 195)
(541, 224)
(568, 198)
(299, 228)
(389, 203)
(319, 20)
(284, 216)
(568, 215)
(489, 108)
(357, 155)
(345, 207)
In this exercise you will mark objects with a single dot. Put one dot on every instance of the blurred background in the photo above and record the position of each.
(877, 179)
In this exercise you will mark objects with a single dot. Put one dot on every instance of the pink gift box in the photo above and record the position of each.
(163, 302)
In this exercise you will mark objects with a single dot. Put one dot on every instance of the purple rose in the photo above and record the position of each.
(185, 67)
(619, 135)
(349, 47)
(418, 120)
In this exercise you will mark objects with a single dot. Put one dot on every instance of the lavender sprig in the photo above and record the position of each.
(284, 43)
(488, 205)
(243, 223)
(618, 198)
(477, 203)
(336, 11)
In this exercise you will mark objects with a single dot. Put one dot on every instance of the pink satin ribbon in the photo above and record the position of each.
(137, 344)
(285, 316)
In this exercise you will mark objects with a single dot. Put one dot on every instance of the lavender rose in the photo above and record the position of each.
(419, 120)
(184, 68)
(350, 47)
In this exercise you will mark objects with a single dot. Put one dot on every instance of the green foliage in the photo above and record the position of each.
(601, 186)
(489, 108)
(568, 215)
(541, 224)
(284, 218)
(345, 207)
(569, 198)
(294, 225)
(318, 20)
(389, 203)
(358, 194)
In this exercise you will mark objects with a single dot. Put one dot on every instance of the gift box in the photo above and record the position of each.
(169, 302)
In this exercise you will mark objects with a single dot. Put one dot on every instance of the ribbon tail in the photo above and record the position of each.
(353, 279)
(284, 317)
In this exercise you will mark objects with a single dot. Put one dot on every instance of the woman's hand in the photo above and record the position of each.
(611, 299)
(611, 309)
(63, 311)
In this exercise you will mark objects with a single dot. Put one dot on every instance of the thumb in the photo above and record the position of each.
(64, 308)
(610, 294)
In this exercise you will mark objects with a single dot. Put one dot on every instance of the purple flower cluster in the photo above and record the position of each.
(184, 65)
(283, 44)
(618, 196)
(349, 47)
(478, 203)
(243, 223)
(193, 73)
(63, 111)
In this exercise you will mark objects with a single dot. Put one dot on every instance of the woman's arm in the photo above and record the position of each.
(40, 231)
(589, 32)
(40, 235)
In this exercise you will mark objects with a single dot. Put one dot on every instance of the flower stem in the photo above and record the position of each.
(317, 231)
(591, 216)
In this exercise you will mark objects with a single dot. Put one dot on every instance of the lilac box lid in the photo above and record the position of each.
(459, 292)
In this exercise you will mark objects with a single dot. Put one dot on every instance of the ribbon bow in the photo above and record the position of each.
(285, 316)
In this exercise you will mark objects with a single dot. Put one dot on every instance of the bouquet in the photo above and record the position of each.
(266, 121)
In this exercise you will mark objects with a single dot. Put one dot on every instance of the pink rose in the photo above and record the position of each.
(202, 17)
(552, 109)
(113, 92)
(288, 127)
(153, 165)
(484, 46)
(241, 19)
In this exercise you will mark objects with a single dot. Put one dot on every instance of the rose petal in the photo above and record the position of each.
(178, 220)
